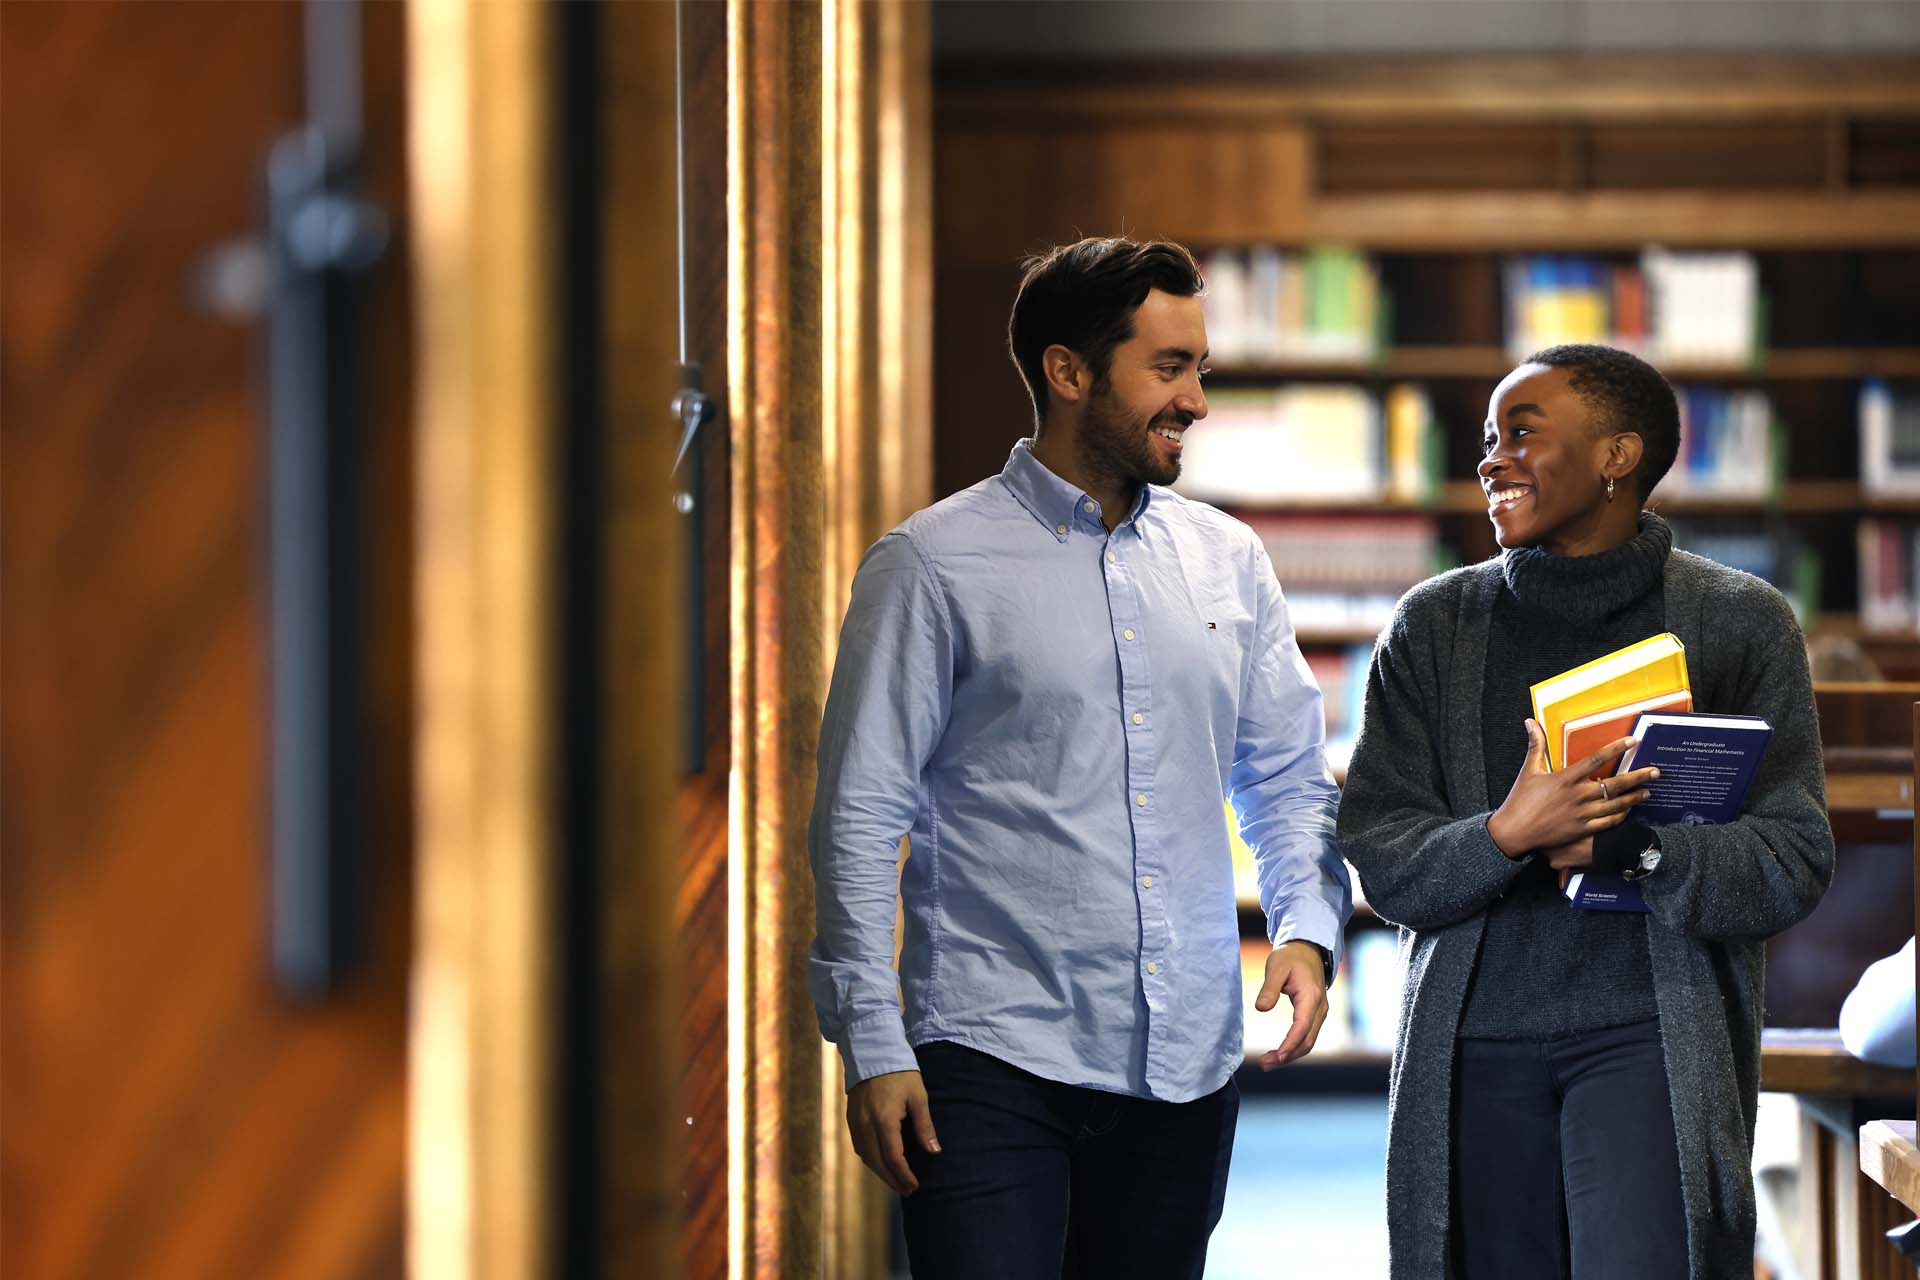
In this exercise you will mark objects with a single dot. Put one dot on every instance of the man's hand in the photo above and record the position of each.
(1295, 971)
(877, 1110)
(1545, 810)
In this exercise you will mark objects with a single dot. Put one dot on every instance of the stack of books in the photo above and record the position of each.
(1706, 762)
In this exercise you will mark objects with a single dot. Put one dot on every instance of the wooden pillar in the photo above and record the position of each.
(481, 1129)
(830, 405)
(774, 394)
(876, 104)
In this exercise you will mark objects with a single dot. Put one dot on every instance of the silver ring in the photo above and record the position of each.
(1603, 790)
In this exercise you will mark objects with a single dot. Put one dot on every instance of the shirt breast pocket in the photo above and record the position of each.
(1212, 661)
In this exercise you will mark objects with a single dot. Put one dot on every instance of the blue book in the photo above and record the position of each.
(1706, 764)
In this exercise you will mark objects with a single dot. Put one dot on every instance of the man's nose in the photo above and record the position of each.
(1192, 402)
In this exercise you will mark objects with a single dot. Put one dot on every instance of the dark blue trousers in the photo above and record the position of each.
(1039, 1180)
(1564, 1162)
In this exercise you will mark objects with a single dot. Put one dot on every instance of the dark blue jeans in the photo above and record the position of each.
(1564, 1161)
(1039, 1180)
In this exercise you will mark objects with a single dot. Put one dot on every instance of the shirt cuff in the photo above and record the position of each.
(875, 1046)
(1617, 850)
(1308, 921)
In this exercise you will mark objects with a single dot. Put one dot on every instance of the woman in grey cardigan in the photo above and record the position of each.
(1573, 1091)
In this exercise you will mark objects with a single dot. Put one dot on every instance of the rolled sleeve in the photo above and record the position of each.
(1282, 791)
(885, 711)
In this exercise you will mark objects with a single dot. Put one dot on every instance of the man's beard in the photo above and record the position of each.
(1116, 445)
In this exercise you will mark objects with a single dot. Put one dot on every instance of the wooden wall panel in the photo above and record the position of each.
(700, 907)
(640, 961)
(166, 1112)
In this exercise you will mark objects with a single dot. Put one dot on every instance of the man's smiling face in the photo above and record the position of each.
(1137, 414)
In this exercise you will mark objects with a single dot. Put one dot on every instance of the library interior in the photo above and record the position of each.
(436, 478)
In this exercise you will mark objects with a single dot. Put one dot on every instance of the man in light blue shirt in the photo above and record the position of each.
(1050, 682)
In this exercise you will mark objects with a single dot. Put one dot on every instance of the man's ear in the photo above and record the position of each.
(1067, 374)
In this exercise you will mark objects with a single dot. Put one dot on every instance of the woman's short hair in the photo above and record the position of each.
(1627, 395)
(1083, 296)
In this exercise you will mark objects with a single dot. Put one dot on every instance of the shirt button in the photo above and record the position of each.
(1138, 718)
(1141, 799)
(1112, 558)
(1128, 633)
(1087, 506)
(1146, 882)
(1059, 528)
(1152, 967)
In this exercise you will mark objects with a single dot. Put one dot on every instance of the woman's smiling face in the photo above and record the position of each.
(1544, 466)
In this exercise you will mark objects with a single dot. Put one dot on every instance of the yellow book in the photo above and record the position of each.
(1650, 668)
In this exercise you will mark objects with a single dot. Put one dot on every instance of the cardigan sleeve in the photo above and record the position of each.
(1756, 876)
(1420, 866)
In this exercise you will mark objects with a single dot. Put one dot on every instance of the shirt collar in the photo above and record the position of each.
(1051, 500)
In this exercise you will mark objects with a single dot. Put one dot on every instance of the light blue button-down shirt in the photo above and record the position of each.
(1053, 714)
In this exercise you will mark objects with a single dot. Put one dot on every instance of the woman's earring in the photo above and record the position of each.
(1609, 488)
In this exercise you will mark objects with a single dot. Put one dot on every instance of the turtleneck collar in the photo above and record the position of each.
(1581, 588)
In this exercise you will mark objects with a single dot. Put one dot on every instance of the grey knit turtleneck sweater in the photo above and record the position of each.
(1547, 968)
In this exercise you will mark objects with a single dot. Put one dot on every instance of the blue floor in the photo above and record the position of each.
(1306, 1196)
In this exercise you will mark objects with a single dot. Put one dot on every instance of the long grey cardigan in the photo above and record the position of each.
(1413, 821)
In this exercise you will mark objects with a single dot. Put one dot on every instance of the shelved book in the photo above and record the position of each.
(1889, 439)
(1345, 573)
(1731, 446)
(1267, 304)
(1323, 443)
(1699, 308)
(1889, 552)
(1706, 764)
(1760, 546)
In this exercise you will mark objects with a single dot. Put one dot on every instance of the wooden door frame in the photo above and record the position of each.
(491, 1034)
(829, 393)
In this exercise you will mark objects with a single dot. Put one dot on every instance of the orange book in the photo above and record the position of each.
(1653, 668)
(1587, 734)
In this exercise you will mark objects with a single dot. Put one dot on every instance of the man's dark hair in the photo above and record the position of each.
(1083, 296)
(1626, 394)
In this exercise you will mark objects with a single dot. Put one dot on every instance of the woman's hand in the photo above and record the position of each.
(1577, 856)
(1548, 809)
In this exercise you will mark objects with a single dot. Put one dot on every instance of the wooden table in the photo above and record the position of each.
(1844, 1212)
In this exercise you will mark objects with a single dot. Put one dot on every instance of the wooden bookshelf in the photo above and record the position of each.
(1465, 497)
(1484, 362)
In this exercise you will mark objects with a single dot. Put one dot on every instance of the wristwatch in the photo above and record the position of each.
(1326, 962)
(1648, 863)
